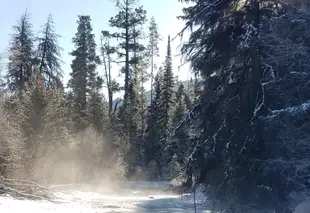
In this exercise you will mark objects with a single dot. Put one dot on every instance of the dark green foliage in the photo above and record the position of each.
(167, 97)
(83, 76)
(21, 58)
(48, 54)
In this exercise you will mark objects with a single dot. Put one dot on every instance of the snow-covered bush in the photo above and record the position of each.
(121, 167)
(11, 142)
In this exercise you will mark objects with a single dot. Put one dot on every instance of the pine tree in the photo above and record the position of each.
(136, 104)
(153, 50)
(128, 20)
(83, 75)
(107, 52)
(21, 54)
(48, 54)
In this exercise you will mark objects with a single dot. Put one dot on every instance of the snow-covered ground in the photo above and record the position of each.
(140, 197)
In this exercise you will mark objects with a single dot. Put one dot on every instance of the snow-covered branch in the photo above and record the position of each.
(26, 189)
(188, 117)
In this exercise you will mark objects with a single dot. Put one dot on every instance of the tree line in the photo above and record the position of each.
(50, 115)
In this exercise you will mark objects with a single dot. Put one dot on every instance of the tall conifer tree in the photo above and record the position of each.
(167, 94)
(21, 58)
(127, 21)
(48, 53)
(153, 49)
(83, 75)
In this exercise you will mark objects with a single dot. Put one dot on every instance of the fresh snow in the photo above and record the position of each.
(294, 109)
(140, 197)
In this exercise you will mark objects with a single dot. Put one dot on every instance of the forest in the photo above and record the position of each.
(240, 128)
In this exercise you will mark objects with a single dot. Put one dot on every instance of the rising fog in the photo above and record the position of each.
(52, 154)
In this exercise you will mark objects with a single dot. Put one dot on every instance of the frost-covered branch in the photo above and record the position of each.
(187, 118)
(260, 103)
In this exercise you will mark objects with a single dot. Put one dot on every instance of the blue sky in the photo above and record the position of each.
(65, 14)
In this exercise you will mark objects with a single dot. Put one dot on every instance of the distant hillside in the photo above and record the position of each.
(148, 93)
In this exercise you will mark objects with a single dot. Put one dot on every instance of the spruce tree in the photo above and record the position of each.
(167, 96)
(83, 75)
(20, 66)
(48, 53)
(107, 53)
